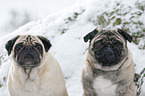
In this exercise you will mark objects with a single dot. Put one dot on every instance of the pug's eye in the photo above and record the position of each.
(103, 41)
(39, 47)
(119, 45)
(18, 46)
(113, 40)
(97, 44)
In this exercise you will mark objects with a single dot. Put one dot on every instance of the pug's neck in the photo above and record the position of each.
(30, 74)
(95, 64)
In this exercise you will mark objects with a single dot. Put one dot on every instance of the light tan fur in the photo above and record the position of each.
(44, 80)
(113, 80)
(126, 77)
(47, 81)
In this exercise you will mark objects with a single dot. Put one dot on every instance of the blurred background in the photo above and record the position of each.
(127, 14)
(15, 13)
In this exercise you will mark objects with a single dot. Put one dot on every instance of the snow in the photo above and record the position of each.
(66, 30)
(28, 9)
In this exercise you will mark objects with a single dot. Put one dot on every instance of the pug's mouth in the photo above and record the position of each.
(107, 56)
(28, 60)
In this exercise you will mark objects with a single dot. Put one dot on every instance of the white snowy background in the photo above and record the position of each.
(65, 24)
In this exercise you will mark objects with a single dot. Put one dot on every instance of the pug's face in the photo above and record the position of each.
(108, 46)
(28, 51)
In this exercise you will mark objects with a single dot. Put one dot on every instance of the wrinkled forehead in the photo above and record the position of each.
(28, 39)
(108, 34)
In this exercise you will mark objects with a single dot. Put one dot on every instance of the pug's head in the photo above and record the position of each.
(108, 47)
(28, 51)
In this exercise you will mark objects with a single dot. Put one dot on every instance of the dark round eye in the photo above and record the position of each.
(119, 45)
(18, 47)
(97, 44)
(113, 40)
(103, 41)
(39, 47)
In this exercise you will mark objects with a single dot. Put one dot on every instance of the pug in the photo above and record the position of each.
(108, 69)
(34, 71)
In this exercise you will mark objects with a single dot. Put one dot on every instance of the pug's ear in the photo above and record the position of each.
(125, 35)
(45, 42)
(9, 45)
(90, 35)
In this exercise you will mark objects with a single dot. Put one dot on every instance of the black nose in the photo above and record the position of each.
(28, 48)
(108, 46)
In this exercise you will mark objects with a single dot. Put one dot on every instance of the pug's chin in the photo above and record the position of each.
(107, 58)
(28, 61)
(27, 64)
(108, 62)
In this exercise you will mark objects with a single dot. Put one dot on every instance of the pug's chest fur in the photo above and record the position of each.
(104, 87)
(28, 87)
(31, 88)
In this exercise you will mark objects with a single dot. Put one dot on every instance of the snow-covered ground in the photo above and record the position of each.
(66, 30)
(17, 12)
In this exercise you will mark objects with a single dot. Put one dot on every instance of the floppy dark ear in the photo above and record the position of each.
(90, 35)
(9, 45)
(45, 42)
(125, 35)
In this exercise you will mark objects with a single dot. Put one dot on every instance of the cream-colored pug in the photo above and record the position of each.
(34, 71)
(109, 68)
